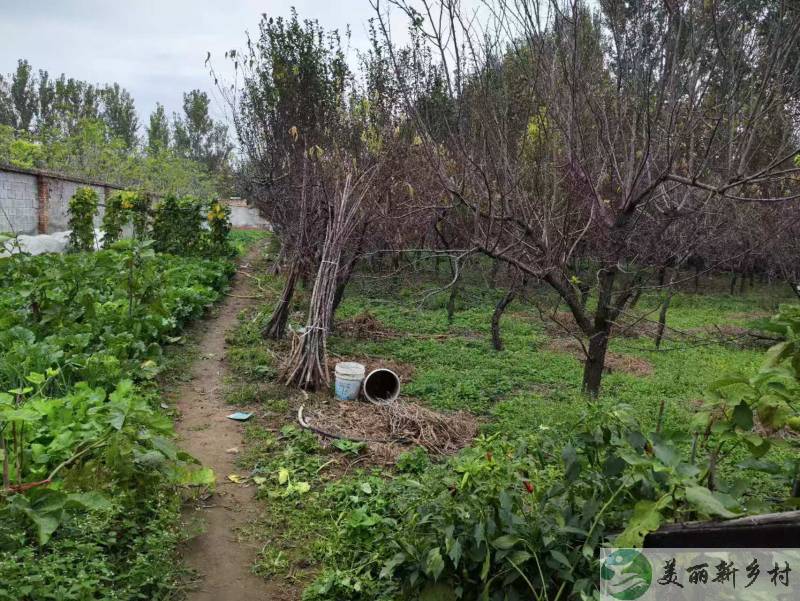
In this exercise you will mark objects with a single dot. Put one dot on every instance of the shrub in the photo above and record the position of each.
(123, 551)
(122, 208)
(178, 226)
(82, 209)
(739, 402)
(510, 519)
(219, 224)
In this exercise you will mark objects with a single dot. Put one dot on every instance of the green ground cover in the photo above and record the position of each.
(529, 399)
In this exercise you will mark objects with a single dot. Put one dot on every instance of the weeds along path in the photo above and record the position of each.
(220, 558)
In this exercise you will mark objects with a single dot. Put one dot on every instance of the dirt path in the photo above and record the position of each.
(222, 561)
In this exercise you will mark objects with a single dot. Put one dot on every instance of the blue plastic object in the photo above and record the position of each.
(240, 417)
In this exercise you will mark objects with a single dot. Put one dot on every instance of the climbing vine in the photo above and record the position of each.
(113, 219)
(82, 209)
(140, 211)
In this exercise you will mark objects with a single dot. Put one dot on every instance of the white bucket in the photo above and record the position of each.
(349, 376)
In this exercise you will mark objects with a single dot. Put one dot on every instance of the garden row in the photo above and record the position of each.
(186, 225)
(89, 467)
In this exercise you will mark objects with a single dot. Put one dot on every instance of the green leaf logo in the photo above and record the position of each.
(626, 574)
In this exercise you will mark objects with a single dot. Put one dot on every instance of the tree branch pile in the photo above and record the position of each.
(307, 365)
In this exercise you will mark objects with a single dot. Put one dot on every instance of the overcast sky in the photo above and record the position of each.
(154, 48)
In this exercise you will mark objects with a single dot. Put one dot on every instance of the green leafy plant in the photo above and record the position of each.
(770, 399)
(82, 210)
(415, 461)
(177, 226)
(122, 208)
(521, 517)
(113, 309)
(350, 447)
(219, 224)
(126, 543)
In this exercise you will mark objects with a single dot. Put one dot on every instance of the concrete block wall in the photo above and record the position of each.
(37, 202)
(19, 205)
(247, 217)
(60, 193)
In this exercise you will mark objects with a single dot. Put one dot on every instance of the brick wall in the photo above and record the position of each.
(37, 202)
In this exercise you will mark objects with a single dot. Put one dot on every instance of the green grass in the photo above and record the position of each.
(243, 239)
(529, 387)
(526, 384)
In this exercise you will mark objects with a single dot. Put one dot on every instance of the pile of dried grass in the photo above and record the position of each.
(628, 364)
(439, 433)
(392, 428)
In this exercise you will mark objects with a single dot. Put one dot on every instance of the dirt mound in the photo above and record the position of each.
(364, 326)
(565, 345)
(403, 370)
(628, 364)
(615, 362)
(390, 429)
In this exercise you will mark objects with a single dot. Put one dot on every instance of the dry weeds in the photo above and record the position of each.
(393, 428)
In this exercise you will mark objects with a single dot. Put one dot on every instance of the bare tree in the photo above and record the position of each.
(582, 141)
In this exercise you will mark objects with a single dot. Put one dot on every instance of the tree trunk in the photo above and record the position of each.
(637, 295)
(595, 362)
(733, 284)
(585, 289)
(598, 339)
(742, 282)
(338, 295)
(499, 309)
(662, 315)
(276, 326)
(696, 278)
(493, 274)
(662, 274)
(279, 261)
(451, 302)
(344, 277)
(341, 285)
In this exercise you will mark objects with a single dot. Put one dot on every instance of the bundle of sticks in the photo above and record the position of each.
(306, 366)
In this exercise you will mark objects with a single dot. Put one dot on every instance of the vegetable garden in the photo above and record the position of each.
(88, 456)
(570, 229)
